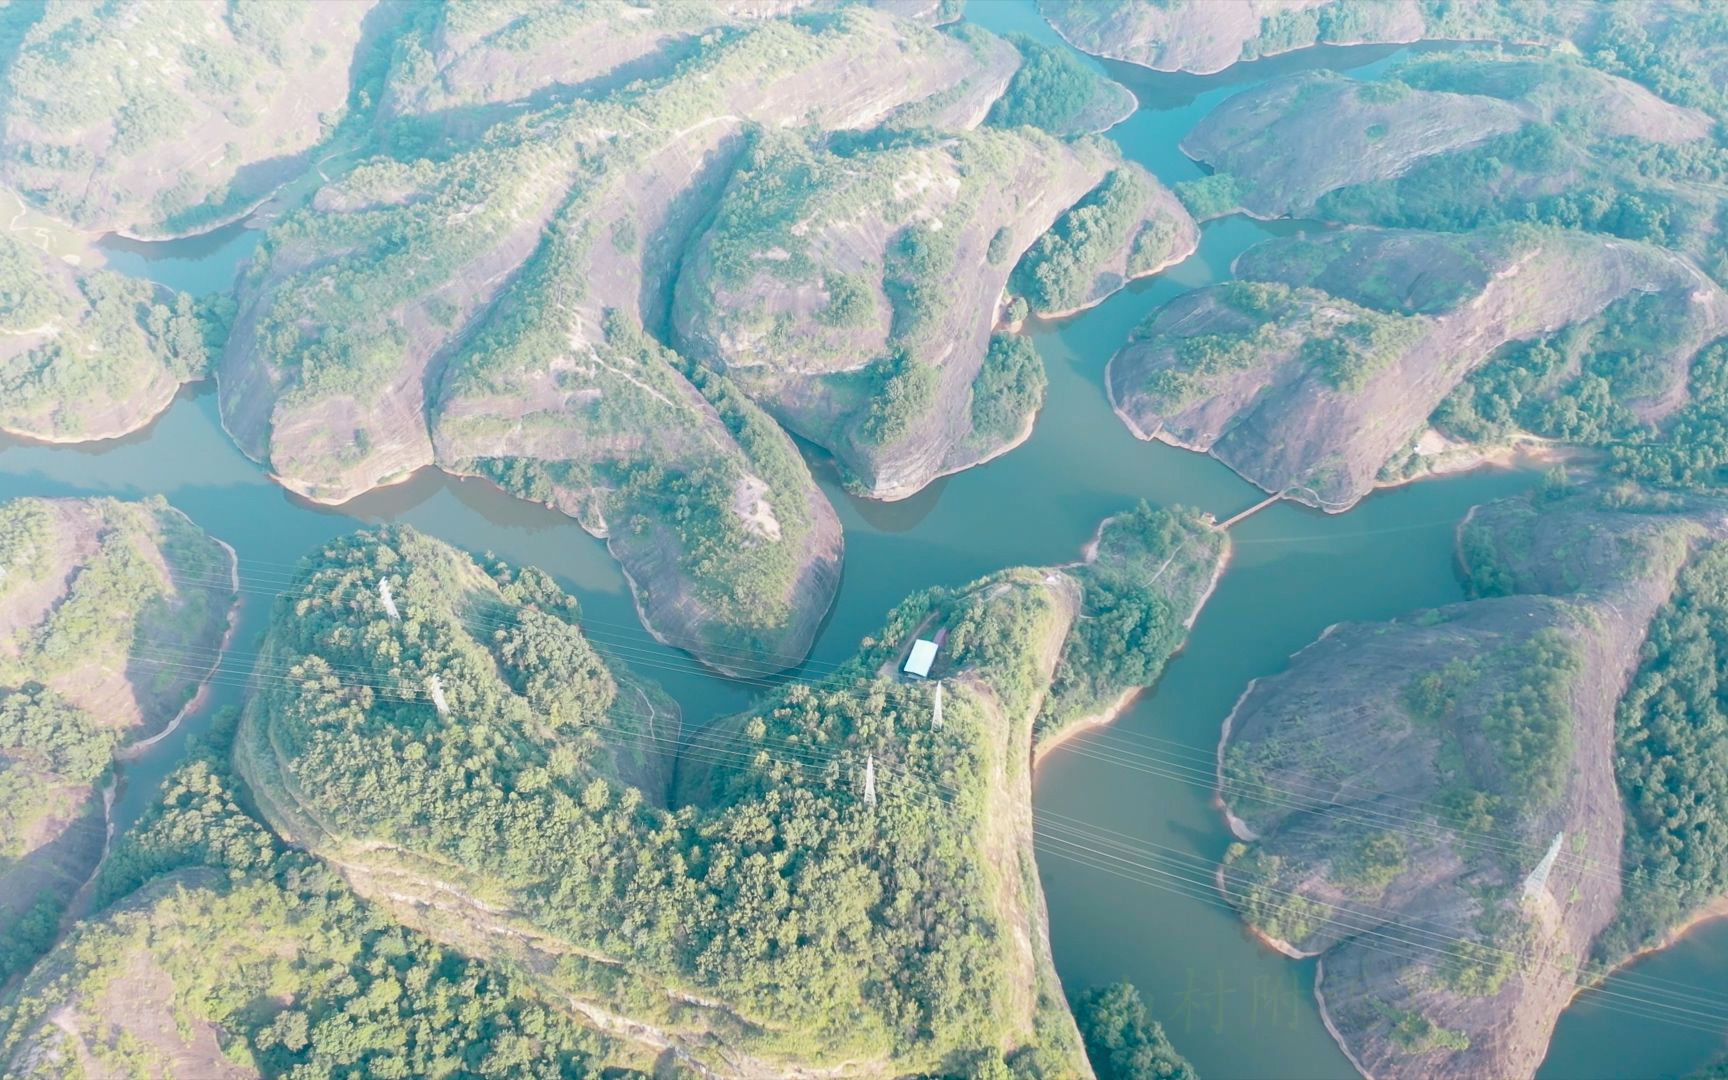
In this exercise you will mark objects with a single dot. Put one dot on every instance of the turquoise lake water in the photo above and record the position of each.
(1235, 1008)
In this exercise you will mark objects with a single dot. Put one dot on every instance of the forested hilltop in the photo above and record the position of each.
(462, 840)
(92, 354)
(477, 771)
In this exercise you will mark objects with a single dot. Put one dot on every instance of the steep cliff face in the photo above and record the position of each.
(1431, 803)
(730, 548)
(101, 603)
(159, 117)
(853, 292)
(89, 355)
(1311, 392)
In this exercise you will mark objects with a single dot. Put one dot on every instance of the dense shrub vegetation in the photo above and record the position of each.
(842, 279)
(1264, 309)
(906, 391)
(1051, 89)
(1344, 343)
(1009, 388)
(131, 572)
(1149, 571)
(1059, 270)
(1584, 165)
(1576, 387)
(1468, 190)
(1504, 721)
(1692, 451)
(95, 343)
(677, 491)
(1360, 348)
(1415, 1033)
(49, 749)
(296, 974)
(1122, 1043)
(1668, 64)
(1673, 761)
(1210, 196)
(772, 888)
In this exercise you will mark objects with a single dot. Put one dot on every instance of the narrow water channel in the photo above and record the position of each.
(1236, 1009)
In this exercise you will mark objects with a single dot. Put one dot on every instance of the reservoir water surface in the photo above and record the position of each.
(1140, 908)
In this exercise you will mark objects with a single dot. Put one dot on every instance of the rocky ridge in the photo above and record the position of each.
(863, 319)
(1312, 393)
(1431, 804)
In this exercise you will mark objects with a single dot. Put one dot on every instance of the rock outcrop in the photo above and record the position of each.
(471, 56)
(1202, 36)
(1289, 142)
(1431, 804)
(1311, 392)
(484, 313)
(854, 292)
(1284, 146)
